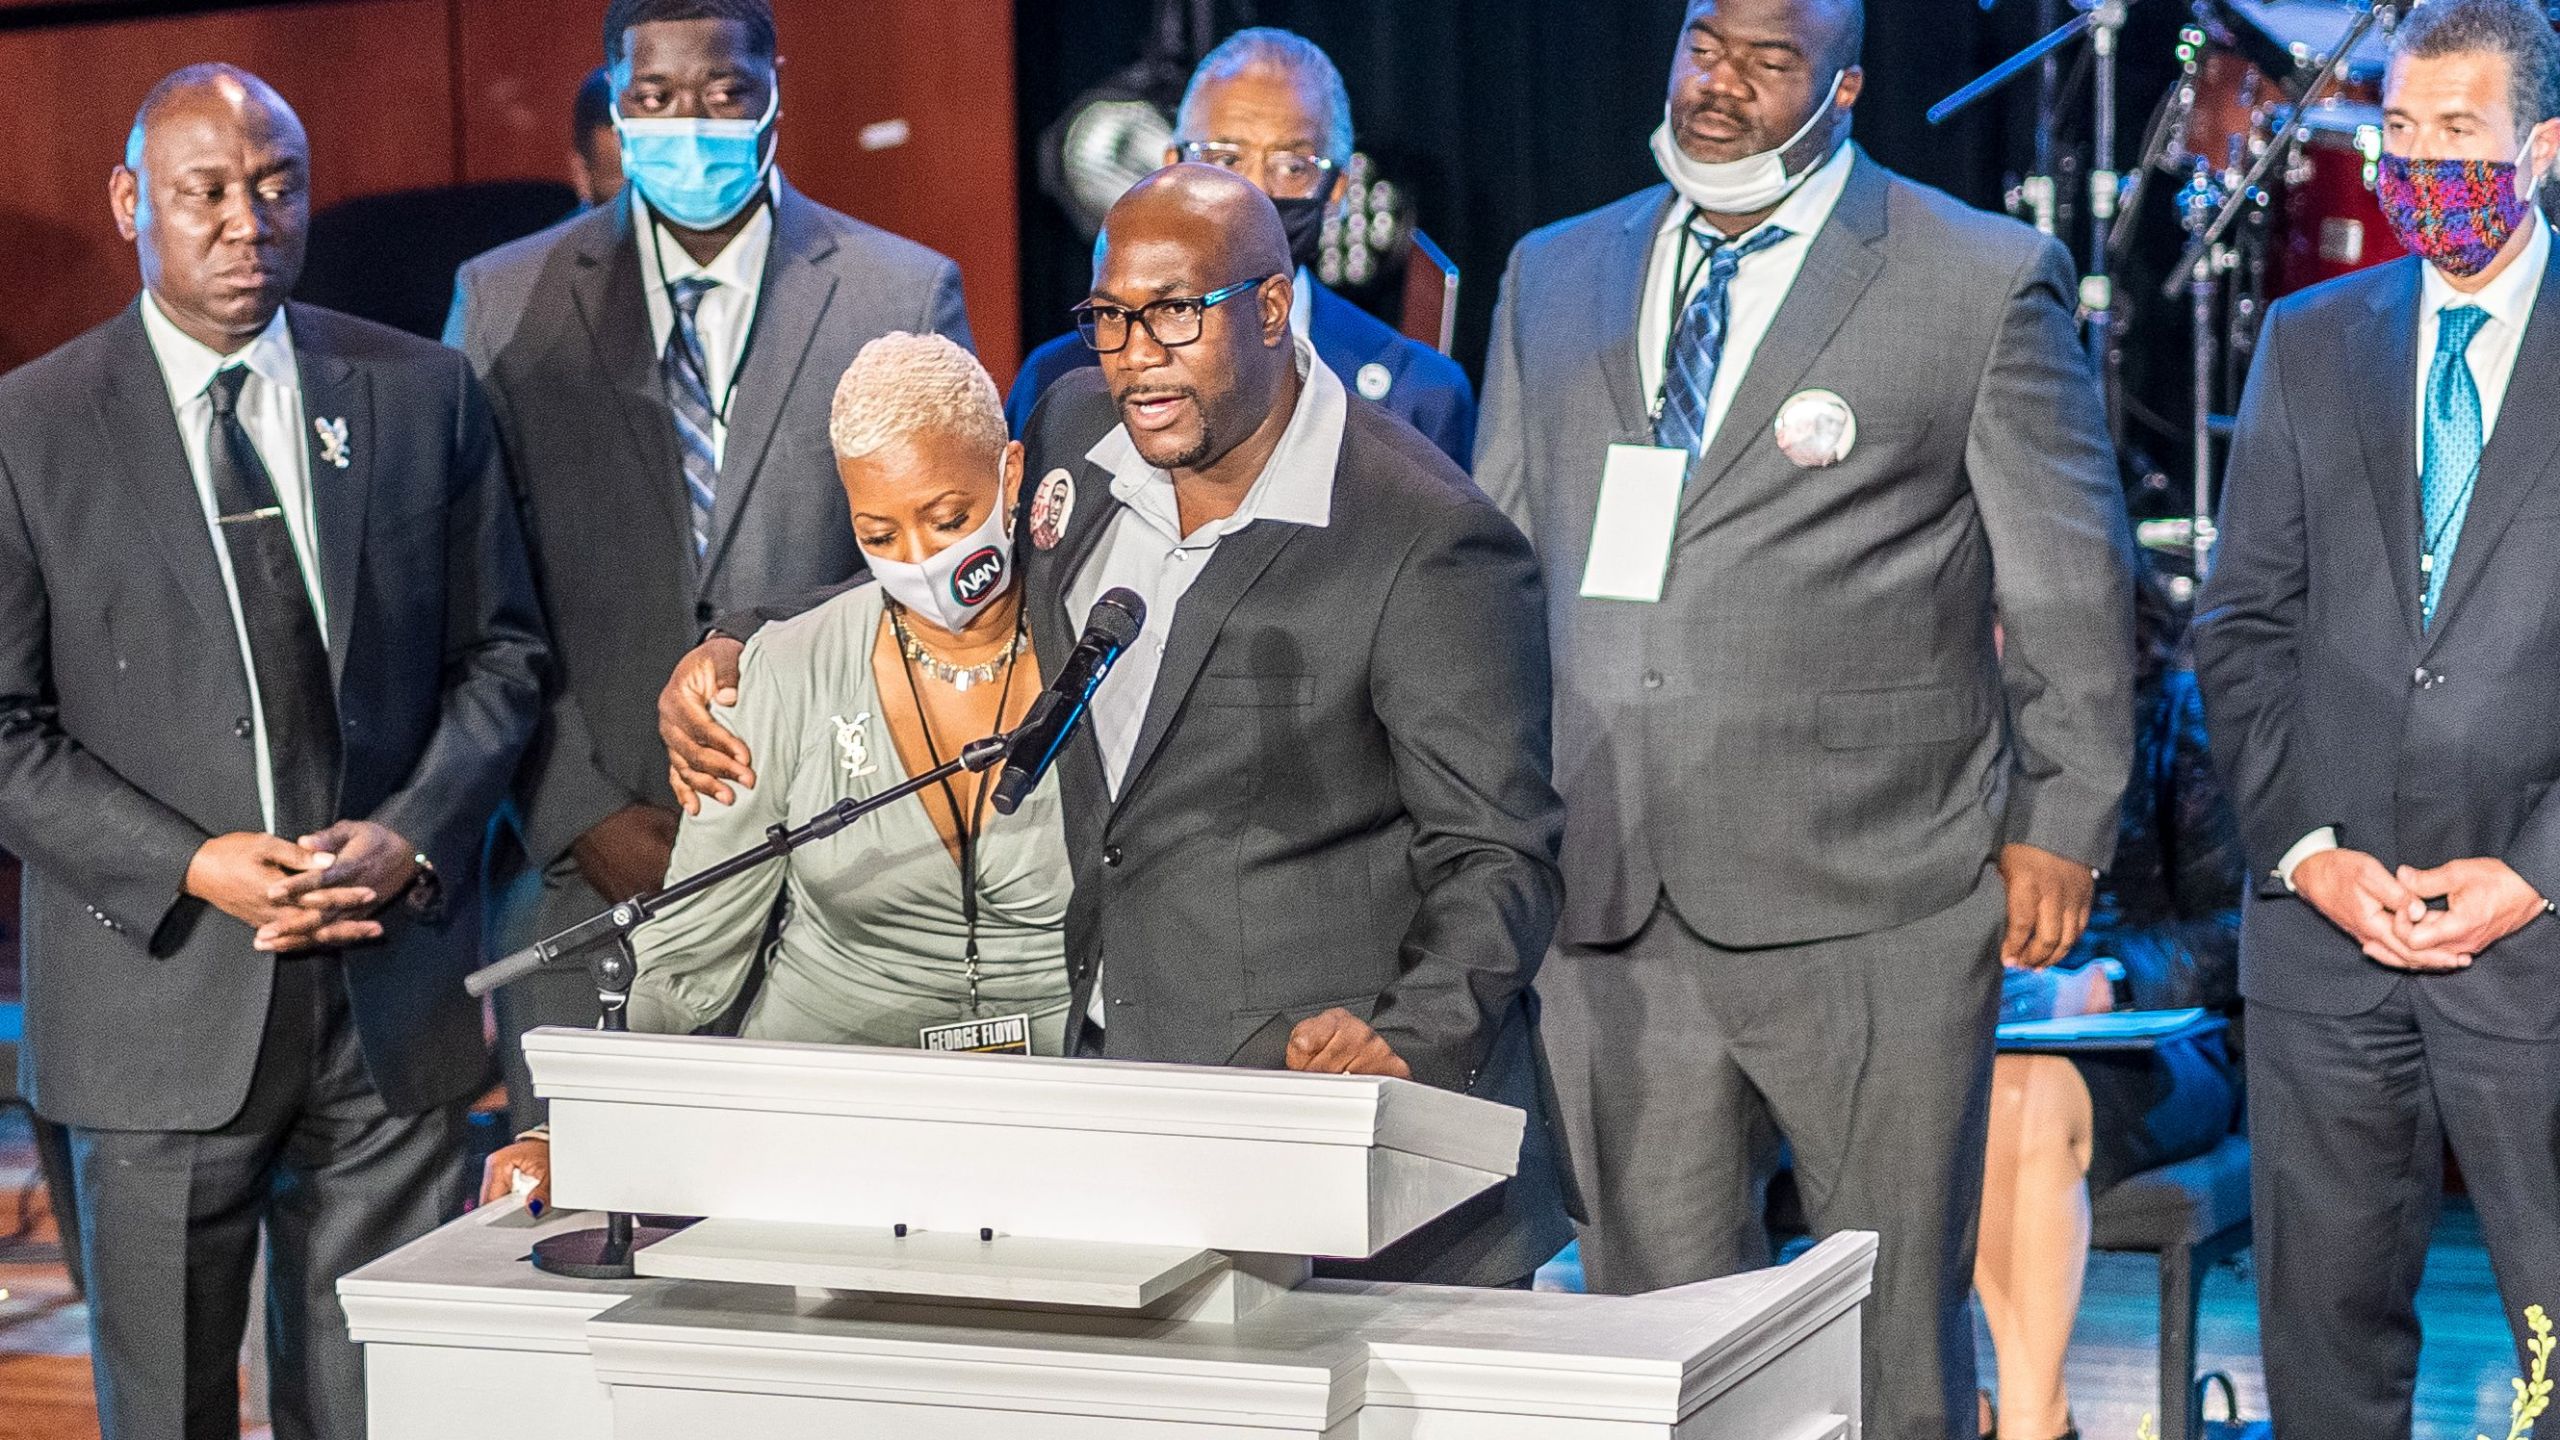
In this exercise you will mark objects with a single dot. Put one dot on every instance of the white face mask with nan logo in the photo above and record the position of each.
(956, 583)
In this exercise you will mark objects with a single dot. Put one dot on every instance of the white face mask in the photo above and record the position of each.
(956, 584)
(1738, 187)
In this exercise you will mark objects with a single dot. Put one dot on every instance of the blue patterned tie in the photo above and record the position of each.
(2453, 450)
(689, 394)
(1698, 343)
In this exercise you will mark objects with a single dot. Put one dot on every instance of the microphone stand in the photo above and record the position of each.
(602, 943)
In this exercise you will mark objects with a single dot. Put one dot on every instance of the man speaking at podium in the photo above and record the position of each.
(1311, 818)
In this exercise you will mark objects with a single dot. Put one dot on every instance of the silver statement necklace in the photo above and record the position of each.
(958, 677)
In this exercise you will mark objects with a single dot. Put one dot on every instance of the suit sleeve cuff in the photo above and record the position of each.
(2324, 838)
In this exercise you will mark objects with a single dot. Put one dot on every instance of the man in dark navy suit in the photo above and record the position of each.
(1270, 106)
(2379, 645)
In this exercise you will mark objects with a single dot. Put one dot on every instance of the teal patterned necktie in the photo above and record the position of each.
(2453, 451)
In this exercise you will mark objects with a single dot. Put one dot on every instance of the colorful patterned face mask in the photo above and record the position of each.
(2458, 214)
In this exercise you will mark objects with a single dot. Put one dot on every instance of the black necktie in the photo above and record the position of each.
(285, 650)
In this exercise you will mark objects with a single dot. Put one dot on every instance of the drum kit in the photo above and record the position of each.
(2272, 133)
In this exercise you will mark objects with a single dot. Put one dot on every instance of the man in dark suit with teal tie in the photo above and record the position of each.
(2379, 645)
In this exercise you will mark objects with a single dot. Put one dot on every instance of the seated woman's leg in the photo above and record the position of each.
(2035, 1235)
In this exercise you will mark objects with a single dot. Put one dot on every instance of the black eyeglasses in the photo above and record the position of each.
(1174, 320)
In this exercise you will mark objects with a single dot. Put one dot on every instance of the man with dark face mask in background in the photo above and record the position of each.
(1270, 106)
(1788, 433)
(2379, 646)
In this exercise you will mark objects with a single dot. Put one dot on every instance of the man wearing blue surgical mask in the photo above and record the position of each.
(1788, 431)
(657, 365)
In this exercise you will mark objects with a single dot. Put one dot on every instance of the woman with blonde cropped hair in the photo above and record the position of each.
(936, 922)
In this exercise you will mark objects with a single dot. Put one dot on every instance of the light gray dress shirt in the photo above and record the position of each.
(1142, 547)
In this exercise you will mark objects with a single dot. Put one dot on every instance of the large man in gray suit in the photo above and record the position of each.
(1810, 801)
(268, 656)
(2379, 643)
(661, 369)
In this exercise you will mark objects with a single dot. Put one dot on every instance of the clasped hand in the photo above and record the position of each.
(319, 891)
(2386, 912)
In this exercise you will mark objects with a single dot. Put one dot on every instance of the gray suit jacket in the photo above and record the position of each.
(124, 738)
(2329, 705)
(1339, 795)
(558, 328)
(1812, 734)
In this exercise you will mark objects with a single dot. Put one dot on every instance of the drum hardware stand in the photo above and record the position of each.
(2199, 269)
(2201, 274)
(2106, 188)
(2041, 191)
(2103, 22)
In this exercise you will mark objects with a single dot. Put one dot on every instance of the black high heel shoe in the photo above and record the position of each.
(1992, 1421)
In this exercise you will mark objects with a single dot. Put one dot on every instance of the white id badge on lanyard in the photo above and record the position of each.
(1631, 532)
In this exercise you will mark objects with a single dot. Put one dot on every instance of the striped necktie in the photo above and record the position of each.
(1697, 344)
(2453, 451)
(689, 394)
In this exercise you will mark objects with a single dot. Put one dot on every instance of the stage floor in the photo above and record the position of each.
(2462, 1385)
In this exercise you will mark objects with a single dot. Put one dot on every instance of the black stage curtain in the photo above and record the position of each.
(1505, 115)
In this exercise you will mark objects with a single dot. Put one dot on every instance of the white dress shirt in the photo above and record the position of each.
(728, 311)
(1759, 286)
(2509, 299)
(271, 411)
(1143, 548)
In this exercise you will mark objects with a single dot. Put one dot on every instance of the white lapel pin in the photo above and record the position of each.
(1816, 428)
(853, 745)
(333, 441)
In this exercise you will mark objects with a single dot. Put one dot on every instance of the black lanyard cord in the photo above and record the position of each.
(973, 823)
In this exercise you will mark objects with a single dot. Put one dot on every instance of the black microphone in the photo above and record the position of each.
(1116, 619)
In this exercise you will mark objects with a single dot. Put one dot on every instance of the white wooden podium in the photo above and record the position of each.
(903, 1244)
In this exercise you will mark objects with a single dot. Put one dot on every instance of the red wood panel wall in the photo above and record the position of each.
(379, 122)
(404, 93)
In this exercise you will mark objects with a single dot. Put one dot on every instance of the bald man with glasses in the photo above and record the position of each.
(1310, 818)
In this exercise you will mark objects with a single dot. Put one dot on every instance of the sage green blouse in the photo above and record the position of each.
(871, 943)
